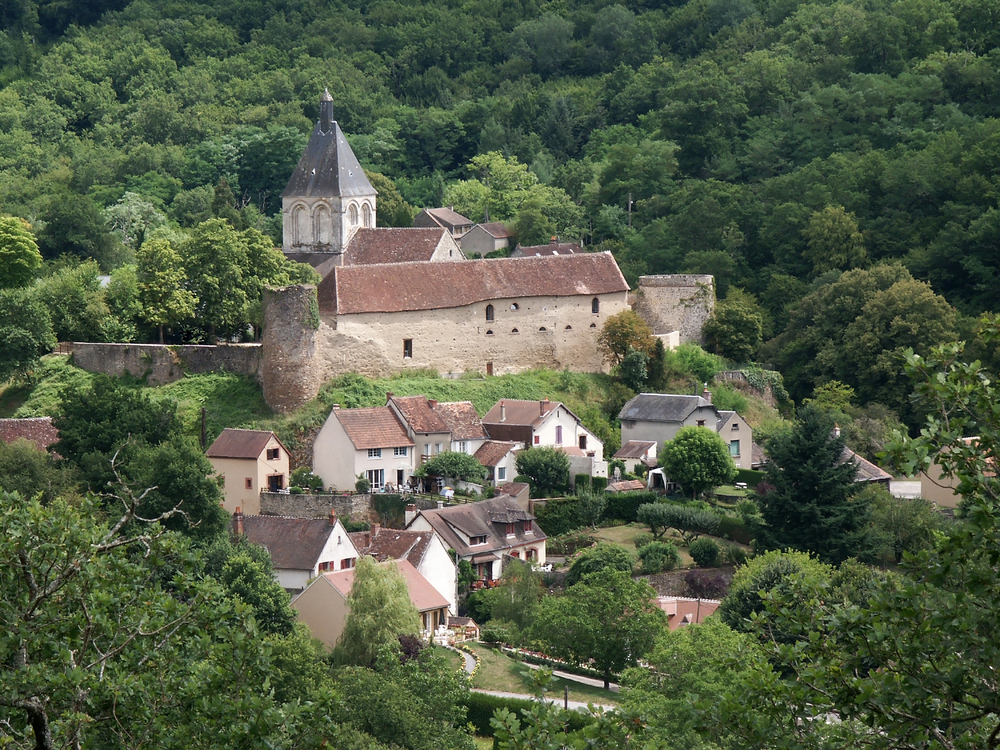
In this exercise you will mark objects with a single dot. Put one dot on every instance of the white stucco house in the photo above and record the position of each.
(370, 442)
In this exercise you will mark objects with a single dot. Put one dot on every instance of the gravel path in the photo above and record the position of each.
(574, 705)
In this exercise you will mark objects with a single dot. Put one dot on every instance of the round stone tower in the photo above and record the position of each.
(288, 371)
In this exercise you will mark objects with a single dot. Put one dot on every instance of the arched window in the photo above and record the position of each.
(352, 215)
(595, 305)
(323, 225)
(514, 306)
(366, 215)
(593, 325)
(543, 328)
(300, 226)
(489, 312)
(514, 330)
(569, 328)
(489, 332)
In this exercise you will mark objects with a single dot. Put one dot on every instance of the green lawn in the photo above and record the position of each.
(500, 672)
(449, 656)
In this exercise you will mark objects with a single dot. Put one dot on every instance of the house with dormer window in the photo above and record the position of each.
(484, 533)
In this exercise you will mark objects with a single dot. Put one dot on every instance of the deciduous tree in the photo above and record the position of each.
(698, 459)
(547, 470)
(162, 285)
(455, 465)
(20, 260)
(621, 333)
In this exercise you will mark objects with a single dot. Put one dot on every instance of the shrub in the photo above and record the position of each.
(734, 529)
(303, 477)
(735, 555)
(557, 517)
(390, 508)
(482, 706)
(600, 556)
(362, 486)
(701, 584)
(295, 490)
(568, 544)
(581, 483)
(658, 557)
(704, 552)
(498, 631)
(749, 476)
(688, 520)
(352, 526)
(598, 484)
(625, 505)
(641, 540)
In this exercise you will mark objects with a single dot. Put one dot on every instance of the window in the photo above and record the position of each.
(437, 448)
(348, 562)
(376, 477)
(514, 330)
(701, 422)
(352, 214)
(583, 442)
(407, 348)
(514, 306)
(527, 527)
(510, 529)
(366, 215)
(734, 448)
(462, 446)
(474, 540)
(273, 454)
(595, 305)
(515, 554)
(543, 328)
(489, 312)
(558, 434)
(374, 453)
(537, 440)
(399, 451)
(325, 566)
(489, 332)
(593, 325)
(736, 426)
(569, 328)
(530, 553)
(249, 483)
(501, 473)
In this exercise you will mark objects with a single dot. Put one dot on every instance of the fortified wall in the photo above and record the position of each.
(160, 364)
(676, 302)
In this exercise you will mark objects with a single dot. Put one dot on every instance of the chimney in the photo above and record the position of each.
(836, 430)
(432, 402)
(376, 528)
(451, 207)
(541, 406)
(411, 513)
(388, 395)
(238, 522)
(503, 412)
(707, 394)
(333, 517)
(336, 407)
(553, 240)
(440, 503)
(368, 538)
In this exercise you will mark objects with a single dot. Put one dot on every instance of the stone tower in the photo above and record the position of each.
(288, 372)
(328, 196)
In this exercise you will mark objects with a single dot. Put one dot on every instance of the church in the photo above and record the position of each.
(395, 299)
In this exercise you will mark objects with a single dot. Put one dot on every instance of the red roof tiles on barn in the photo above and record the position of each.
(392, 245)
(38, 430)
(432, 286)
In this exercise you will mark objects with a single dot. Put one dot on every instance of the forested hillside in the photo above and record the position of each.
(773, 144)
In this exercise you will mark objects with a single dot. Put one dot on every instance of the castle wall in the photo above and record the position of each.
(455, 340)
(677, 302)
(160, 364)
(288, 370)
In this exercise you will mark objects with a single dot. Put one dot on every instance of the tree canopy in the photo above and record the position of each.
(698, 459)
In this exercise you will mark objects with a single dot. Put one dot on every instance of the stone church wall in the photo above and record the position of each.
(160, 364)
(678, 302)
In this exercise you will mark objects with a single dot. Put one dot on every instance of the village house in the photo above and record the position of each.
(371, 442)
(424, 550)
(658, 417)
(484, 533)
(486, 238)
(323, 605)
(548, 424)
(372, 247)
(438, 426)
(300, 548)
(249, 461)
(446, 218)
(499, 457)
(636, 452)
(37, 430)
(682, 610)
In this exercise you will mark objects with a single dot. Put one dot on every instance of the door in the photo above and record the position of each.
(274, 482)
(489, 368)
(399, 478)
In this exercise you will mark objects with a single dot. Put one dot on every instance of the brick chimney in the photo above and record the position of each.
(376, 528)
(336, 407)
(541, 406)
(333, 517)
(553, 240)
(707, 394)
(432, 402)
(388, 395)
(503, 412)
(238, 522)
(411, 513)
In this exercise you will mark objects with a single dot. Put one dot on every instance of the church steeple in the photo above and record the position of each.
(325, 111)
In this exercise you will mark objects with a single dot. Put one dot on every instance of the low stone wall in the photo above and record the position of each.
(315, 505)
(160, 364)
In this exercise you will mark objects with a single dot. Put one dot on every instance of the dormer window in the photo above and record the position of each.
(475, 540)
(510, 529)
(528, 527)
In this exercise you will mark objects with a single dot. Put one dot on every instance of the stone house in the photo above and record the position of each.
(484, 533)
(323, 604)
(301, 548)
(657, 417)
(499, 456)
(422, 549)
(486, 238)
(446, 218)
(249, 461)
(548, 424)
(371, 442)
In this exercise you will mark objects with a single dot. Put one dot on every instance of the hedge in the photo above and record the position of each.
(598, 484)
(750, 476)
(581, 482)
(482, 706)
(558, 517)
(623, 506)
(734, 530)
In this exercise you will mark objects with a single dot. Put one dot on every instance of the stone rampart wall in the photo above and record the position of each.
(677, 302)
(315, 505)
(160, 364)
(288, 371)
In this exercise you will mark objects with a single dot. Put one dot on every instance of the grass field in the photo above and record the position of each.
(499, 672)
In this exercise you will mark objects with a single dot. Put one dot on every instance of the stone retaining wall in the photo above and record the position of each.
(315, 506)
(160, 364)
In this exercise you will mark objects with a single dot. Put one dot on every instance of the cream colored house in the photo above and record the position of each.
(249, 461)
(486, 238)
(548, 424)
(369, 442)
(438, 426)
(301, 548)
(423, 550)
(323, 605)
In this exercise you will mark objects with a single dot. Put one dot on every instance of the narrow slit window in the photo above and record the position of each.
(407, 348)
(489, 312)
(595, 305)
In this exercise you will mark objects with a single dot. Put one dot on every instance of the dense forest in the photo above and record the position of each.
(776, 145)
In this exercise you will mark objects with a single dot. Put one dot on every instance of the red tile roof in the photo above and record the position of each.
(374, 427)
(627, 485)
(234, 443)
(684, 611)
(419, 415)
(496, 230)
(553, 248)
(462, 420)
(492, 452)
(392, 544)
(385, 245)
(424, 596)
(520, 413)
(433, 286)
(38, 430)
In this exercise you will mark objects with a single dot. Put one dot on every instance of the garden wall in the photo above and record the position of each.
(160, 364)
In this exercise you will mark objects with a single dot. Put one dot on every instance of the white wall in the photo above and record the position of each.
(333, 455)
(338, 547)
(438, 567)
